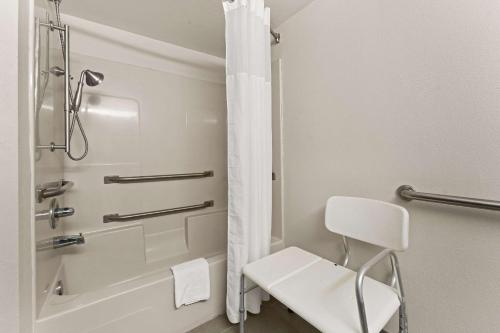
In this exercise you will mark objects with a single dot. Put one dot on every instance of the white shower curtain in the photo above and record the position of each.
(248, 86)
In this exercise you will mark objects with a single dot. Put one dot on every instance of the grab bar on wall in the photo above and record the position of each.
(156, 213)
(156, 178)
(67, 103)
(52, 189)
(407, 192)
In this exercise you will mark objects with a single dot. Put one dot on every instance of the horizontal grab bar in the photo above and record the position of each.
(155, 213)
(52, 189)
(407, 192)
(156, 178)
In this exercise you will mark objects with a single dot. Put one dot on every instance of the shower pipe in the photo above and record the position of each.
(408, 193)
(276, 35)
(155, 213)
(156, 178)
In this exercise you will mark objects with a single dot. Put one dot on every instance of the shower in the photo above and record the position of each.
(91, 78)
(156, 121)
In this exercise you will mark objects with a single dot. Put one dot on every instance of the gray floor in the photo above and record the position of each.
(274, 318)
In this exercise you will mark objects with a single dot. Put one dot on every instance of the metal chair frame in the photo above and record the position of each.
(396, 281)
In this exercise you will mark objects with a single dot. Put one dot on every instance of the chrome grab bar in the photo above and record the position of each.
(155, 213)
(52, 189)
(67, 103)
(156, 178)
(407, 192)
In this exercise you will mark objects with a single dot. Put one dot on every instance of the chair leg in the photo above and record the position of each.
(242, 304)
(403, 319)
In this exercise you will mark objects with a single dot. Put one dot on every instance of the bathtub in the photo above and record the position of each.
(120, 281)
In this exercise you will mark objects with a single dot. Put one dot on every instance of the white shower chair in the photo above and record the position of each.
(329, 296)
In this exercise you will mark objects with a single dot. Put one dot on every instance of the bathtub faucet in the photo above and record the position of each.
(60, 241)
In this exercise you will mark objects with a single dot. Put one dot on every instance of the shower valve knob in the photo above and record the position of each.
(54, 213)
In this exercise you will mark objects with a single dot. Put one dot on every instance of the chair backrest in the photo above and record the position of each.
(372, 221)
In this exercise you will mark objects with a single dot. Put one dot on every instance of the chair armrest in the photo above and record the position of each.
(360, 278)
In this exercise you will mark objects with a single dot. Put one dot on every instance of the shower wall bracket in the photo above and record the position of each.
(67, 101)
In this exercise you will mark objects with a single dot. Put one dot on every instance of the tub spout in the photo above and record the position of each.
(60, 241)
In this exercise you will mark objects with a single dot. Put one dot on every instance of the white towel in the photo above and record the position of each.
(191, 281)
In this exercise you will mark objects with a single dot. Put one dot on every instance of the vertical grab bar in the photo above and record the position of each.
(67, 101)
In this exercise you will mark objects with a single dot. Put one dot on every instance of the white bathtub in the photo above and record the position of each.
(117, 283)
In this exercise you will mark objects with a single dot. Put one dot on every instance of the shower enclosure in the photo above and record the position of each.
(150, 193)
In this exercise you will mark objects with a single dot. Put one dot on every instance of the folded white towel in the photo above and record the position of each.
(191, 281)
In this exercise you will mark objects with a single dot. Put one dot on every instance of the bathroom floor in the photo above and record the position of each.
(274, 318)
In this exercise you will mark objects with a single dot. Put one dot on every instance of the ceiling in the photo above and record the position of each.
(194, 24)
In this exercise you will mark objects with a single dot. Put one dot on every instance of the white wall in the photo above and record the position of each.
(147, 122)
(26, 168)
(15, 174)
(161, 109)
(383, 93)
(9, 167)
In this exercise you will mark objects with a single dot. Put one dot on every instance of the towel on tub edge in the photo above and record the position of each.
(191, 282)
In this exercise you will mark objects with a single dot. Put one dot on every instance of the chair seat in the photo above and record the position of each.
(322, 292)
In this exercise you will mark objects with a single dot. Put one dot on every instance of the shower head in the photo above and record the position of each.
(91, 79)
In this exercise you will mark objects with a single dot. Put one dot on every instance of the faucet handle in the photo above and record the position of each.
(54, 213)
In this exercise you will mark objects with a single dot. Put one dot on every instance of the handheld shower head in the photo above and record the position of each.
(91, 79)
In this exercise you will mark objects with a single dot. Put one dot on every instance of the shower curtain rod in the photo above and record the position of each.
(276, 35)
